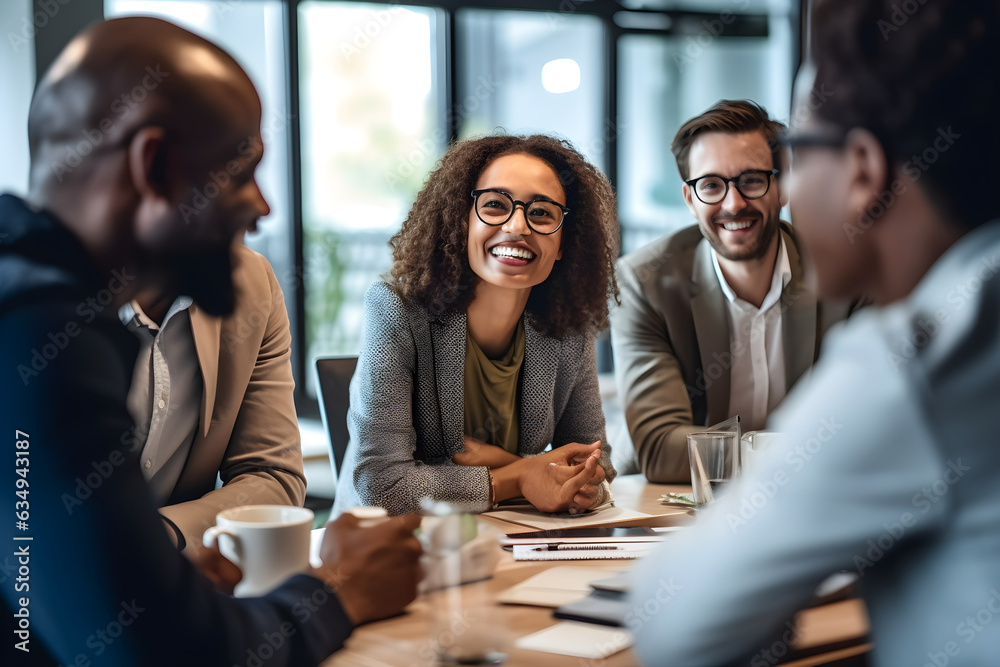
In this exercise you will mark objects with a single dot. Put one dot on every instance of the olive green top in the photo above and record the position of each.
(493, 392)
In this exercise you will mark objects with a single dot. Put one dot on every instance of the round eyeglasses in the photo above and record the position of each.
(751, 184)
(495, 207)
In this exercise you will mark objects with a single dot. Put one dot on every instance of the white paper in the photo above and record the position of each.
(535, 519)
(554, 587)
(582, 640)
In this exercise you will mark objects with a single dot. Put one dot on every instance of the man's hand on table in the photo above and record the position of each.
(374, 571)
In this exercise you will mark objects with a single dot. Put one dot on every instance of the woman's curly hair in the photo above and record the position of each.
(430, 252)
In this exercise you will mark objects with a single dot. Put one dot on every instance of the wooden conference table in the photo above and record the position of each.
(830, 634)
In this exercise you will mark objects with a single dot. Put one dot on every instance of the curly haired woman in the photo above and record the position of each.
(478, 352)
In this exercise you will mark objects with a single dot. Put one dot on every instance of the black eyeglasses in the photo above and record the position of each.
(495, 207)
(751, 184)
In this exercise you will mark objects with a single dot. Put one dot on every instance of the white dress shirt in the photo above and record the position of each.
(757, 377)
(165, 396)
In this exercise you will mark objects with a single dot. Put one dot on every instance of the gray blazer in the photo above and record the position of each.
(670, 338)
(407, 412)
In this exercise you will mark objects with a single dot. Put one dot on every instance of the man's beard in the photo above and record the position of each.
(765, 235)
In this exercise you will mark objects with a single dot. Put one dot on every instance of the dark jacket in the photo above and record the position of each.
(105, 581)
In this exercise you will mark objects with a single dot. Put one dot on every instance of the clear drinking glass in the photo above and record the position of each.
(467, 626)
(715, 460)
(752, 444)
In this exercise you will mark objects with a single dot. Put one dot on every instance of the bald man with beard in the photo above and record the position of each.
(121, 204)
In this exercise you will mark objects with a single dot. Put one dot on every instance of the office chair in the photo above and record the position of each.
(334, 375)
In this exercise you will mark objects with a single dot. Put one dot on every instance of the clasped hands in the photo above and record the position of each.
(568, 478)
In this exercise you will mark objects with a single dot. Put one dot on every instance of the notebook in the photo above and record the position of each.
(601, 607)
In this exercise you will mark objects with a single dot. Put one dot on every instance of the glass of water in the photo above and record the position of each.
(751, 445)
(715, 461)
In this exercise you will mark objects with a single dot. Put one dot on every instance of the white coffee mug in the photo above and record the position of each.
(269, 543)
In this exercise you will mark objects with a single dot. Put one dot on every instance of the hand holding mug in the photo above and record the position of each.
(373, 570)
(269, 543)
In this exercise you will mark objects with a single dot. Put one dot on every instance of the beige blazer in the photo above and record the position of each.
(670, 339)
(248, 432)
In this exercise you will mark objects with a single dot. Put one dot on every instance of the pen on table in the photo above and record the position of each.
(575, 547)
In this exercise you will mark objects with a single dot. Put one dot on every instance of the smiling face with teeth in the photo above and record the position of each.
(512, 256)
(739, 229)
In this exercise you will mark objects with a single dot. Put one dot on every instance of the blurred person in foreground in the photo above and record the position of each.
(131, 211)
(478, 353)
(890, 466)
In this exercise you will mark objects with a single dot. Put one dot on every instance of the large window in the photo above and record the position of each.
(362, 98)
(526, 72)
(665, 80)
(371, 108)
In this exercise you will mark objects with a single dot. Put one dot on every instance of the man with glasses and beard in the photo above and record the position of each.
(716, 319)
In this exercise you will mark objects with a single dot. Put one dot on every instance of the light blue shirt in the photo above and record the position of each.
(890, 468)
